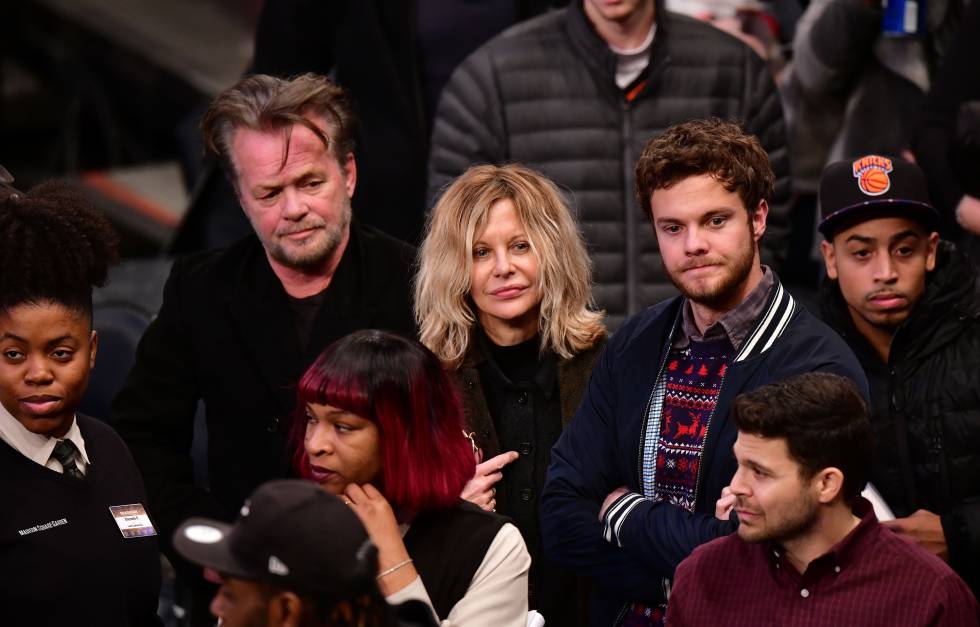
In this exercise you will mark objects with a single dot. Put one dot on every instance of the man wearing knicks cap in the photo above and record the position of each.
(297, 556)
(907, 305)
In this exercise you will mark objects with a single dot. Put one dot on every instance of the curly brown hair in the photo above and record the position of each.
(712, 146)
(54, 246)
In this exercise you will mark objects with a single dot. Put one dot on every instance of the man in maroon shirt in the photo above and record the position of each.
(809, 550)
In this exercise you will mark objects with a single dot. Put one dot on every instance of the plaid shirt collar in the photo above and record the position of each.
(736, 324)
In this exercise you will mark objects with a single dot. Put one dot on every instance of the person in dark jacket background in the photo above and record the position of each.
(634, 478)
(907, 305)
(946, 141)
(503, 297)
(576, 93)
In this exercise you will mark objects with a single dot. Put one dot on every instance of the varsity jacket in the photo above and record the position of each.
(604, 448)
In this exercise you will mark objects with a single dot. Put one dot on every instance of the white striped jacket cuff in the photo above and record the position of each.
(616, 515)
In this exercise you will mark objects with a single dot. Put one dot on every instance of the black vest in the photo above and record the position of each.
(447, 547)
(63, 559)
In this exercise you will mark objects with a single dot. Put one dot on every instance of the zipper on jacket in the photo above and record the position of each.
(900, 422)
(629, 218)
(649, 405)
(936, 427)
(643, 436)
(707, 434)
(622, 614)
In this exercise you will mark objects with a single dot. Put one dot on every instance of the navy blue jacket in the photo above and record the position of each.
(600, 450)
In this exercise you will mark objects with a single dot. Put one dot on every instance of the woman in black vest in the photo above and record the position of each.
(381, 424)
(503, 297)
(77, 546)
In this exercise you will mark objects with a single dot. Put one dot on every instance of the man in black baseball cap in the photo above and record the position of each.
(296, 556)
(906, 303)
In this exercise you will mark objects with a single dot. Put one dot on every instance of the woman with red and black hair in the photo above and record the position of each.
(381, 424)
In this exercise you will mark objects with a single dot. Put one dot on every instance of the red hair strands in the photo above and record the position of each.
(402, 387)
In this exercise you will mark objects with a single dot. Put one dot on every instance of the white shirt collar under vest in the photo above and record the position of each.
(38, 448)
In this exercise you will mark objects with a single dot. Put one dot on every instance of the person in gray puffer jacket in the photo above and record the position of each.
(557, 94)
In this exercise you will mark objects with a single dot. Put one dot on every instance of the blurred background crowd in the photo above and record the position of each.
(111, 93)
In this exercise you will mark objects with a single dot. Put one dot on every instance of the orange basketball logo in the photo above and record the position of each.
(872, 174)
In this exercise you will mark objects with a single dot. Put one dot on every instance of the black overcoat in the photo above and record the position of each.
(225, 335)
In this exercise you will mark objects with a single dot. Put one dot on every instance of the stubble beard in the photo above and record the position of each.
(720, 295)
(310, 255)
(801, 519)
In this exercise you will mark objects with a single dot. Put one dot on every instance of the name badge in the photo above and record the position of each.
(132, 520)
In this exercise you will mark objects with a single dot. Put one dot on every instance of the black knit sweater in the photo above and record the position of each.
(63, 560)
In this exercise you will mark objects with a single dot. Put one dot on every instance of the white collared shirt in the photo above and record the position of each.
(39, 448)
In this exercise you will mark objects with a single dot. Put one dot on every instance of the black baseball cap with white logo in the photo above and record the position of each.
(860, 189)
(292, 534)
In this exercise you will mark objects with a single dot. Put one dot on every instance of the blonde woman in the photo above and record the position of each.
(503, 297)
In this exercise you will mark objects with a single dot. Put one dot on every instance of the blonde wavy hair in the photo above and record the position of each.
(446, 316)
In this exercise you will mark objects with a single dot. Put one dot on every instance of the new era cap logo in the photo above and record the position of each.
(276, 567)
(871, 173)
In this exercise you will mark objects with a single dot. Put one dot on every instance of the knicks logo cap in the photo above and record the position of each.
(871, 173)
(871, 186)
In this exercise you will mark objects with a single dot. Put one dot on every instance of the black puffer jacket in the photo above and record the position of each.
(544, 93)
(926, 405)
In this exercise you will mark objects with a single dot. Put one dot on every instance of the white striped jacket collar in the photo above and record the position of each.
(773, 321)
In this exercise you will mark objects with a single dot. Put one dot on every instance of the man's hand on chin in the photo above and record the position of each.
(610, 499)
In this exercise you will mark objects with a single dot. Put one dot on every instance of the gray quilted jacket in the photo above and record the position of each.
(543, 93)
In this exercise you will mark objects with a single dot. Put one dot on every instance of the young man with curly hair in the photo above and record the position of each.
(634, 479)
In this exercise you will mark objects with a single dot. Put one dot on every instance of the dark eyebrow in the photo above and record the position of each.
(860, 238)
(751, 463)
(707, 215)
(720, 211)
(333, 412)
(903, 235)
(263, 188)
(310, 175)
(51, 342)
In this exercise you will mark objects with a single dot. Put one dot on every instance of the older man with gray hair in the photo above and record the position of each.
(238, 326)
